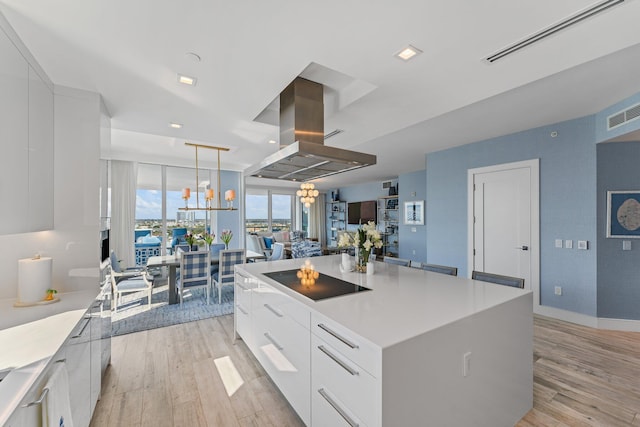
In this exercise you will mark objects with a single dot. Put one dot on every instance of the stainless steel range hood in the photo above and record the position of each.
(303, 155)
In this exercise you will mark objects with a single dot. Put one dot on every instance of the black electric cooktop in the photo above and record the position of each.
(323, 287)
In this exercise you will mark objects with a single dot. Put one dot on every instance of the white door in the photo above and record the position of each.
(504, 209)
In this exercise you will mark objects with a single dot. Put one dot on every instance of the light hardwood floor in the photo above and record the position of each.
(176, 376)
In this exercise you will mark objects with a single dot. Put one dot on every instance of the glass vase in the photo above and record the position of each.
(362, 260)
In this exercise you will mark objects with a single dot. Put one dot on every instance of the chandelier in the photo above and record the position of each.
(307, 194)
(209, 194)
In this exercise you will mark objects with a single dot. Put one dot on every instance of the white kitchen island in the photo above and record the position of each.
(418, 349)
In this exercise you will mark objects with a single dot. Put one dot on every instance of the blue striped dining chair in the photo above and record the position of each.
(194, 272)
(225, 273)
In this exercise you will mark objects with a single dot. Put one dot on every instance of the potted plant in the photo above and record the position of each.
(208, 239)
(226, 237)
(366, 238)
(50, 294)
(191, 241)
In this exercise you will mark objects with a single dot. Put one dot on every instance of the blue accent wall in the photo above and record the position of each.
(412, 245)
(618, 270)
(567, 205)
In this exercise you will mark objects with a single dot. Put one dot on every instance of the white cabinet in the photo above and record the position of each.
(40, 154)
(276, 330)
(14, 128)
(26, 137)
(281, 344)
(242, 309)
(341, 387)
(78, 360)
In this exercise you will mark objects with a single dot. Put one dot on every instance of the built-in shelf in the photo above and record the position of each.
(388, 219)
(337, 216)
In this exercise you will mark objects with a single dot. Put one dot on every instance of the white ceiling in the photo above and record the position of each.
(131, 52)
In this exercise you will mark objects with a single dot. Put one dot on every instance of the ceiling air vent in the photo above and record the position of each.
(624, 116)
(333, 133)
(559, 26)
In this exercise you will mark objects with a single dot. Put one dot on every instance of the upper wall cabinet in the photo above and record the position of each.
(26, 138)
(14, 139)
(40, 154)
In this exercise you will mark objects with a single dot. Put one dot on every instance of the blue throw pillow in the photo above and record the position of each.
(268, 241)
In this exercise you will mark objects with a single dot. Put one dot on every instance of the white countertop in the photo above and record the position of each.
(404, 302)
(30, 337)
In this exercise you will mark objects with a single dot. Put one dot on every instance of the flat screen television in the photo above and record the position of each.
(361, 212)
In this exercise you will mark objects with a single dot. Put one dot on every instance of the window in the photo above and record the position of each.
(149, 199)
(281, 212)
(196, 221)
(268, 211)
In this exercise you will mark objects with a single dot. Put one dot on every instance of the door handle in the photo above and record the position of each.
(523, 248)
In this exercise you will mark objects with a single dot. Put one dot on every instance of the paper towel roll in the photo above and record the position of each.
(34, 278)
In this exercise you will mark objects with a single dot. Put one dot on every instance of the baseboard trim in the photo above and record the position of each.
(619, 324)
(590, 321)
(567, 316)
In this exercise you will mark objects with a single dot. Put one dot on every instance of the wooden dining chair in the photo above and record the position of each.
(444, 269)
(225, 273)
(515, 282)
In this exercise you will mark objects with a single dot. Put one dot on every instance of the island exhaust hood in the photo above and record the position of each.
(303, 155)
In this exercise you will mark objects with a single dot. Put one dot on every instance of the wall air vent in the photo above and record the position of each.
(624, 116)
(559, 26)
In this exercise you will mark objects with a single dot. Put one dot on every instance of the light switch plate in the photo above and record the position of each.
(583, 244)
(568, 244)
(626, 245)
(413, 229)
(558, 243)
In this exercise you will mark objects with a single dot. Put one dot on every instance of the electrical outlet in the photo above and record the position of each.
(626, 245)
(414, 252)
(466, 364)
(583, 245)
(558, 290)
(568, 244)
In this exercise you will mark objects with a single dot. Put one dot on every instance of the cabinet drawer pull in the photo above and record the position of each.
(44, 393)
(86, 323)
(337, 335)
(241, 309)
(338, 361)
(273, 310)
(337, 407)
(278, 346)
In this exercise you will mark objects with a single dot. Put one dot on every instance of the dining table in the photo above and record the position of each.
(173, 262)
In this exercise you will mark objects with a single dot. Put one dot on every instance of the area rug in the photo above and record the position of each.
(134, 314)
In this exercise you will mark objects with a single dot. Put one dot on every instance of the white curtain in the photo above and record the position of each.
(318, 220)
(123, 210)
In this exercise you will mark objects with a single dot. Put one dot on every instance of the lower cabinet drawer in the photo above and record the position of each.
(243, 323)
(328, 411)
(343, 385)
(284, 355)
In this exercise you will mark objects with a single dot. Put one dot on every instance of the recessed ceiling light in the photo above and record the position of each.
(175, 125)
(186, 80)
(272, 141)
(408, 52)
